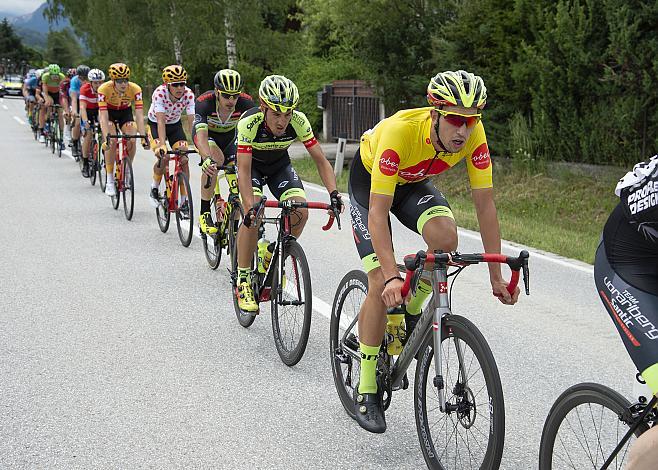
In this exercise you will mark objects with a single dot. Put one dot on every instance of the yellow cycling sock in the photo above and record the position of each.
(368, 380)
(416, 302)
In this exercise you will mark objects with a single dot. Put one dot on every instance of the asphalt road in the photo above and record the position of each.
(120, 348)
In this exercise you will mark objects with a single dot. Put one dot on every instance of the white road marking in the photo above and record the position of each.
(19, 120)
(553, 258)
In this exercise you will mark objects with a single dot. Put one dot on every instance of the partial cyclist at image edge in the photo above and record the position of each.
(264, 135)
(389, 174)
(215, 122)
(626, 275)
(168, 102)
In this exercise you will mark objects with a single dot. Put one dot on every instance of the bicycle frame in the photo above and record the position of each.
(437, 310)
(122, 152)
(284, 235)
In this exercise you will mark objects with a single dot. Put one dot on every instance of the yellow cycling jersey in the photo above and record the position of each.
(109, 96)
(398, 150)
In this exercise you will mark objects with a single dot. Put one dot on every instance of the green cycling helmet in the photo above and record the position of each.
(53, 69)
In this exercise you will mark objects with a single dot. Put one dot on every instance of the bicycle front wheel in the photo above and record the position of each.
(93, 161)
(128, 188)
(470, 432)
(584, 426)
(102, 171)
(292, 306)
(52, 132)
(162, 211)
(185, 222)
(245, 319)
(212, 247)
(343, 336)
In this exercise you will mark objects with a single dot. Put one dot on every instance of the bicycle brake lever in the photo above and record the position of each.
(526, 276)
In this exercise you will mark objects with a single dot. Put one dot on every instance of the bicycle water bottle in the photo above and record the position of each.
(267, 259)
(262, 249)
(395, 330)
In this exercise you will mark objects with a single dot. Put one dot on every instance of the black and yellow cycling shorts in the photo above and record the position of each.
(413, 205)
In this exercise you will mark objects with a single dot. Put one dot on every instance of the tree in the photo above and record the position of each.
(12, 51)
(63, 48)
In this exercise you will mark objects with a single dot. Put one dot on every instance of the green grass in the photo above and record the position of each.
(546, 207)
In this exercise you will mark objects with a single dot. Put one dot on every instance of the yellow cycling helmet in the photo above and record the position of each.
(119, 70)
(278, 93)
(228, 81)
(174, 73)
(458, 88)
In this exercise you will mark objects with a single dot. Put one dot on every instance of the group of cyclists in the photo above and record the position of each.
(389, 175)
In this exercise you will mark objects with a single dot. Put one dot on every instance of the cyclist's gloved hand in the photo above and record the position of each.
(208, 167)
(160, 150)
(337, 201)
(249, 217)
(145, 144)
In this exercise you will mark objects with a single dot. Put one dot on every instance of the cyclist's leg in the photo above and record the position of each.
(128, 127)
(644, 453)
(247, 240)
(425, 210)
(177, 140)
(286, 184)
(205, 220)
(369, 410)
(92, 116)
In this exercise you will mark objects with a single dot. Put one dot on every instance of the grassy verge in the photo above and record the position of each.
(551, 208)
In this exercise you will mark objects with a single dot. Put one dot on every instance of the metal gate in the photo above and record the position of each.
(354, 108)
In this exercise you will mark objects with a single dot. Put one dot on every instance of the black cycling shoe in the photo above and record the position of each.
(85, 168)
(369, 411)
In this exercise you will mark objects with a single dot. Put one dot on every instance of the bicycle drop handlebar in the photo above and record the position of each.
(516, 264)
(230, 169)
(290, 205)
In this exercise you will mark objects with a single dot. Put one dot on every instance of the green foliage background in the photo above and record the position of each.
(567, 79)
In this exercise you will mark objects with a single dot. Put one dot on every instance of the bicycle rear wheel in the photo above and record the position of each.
(212, 246)
(60, 139)
(292, 306)
(185, 224)
(584, 426)
(117, 176)
(245, 319)
(128, 189)
(343, 336)
(162, 211)
(470, 432)
(52, 132)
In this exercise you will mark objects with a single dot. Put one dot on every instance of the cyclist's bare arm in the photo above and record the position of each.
(162, 129)
(324, 167)
(83, 110)
(104, 119)
(244, 184)
(139, 117)
(188, 121)
(485, 209)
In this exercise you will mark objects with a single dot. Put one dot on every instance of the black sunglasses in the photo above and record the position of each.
(228, 96)
(121, 81)
(178, 84)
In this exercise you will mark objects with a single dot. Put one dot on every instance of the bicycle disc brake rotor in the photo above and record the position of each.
(463, 404)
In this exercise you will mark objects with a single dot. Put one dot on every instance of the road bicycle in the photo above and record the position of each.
(592, 426)
(97, 161)
(226, 217)
(54, 133)
(124, 177)
(458, 398)
(285, 282)
(170, 200)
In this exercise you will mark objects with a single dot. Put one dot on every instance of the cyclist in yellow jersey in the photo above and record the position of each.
(115, 100)
(389, 174)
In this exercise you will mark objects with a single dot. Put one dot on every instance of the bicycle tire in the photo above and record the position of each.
(211, 243)
(460, 330)
(162, 211)
(117, 198)
(185, 226)
(93, 147)
(53, 133)
(245, 319)
(292, 350)
(350, 294)
(60, 140)
(102, 170)
(128, 189)
(586, 394)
